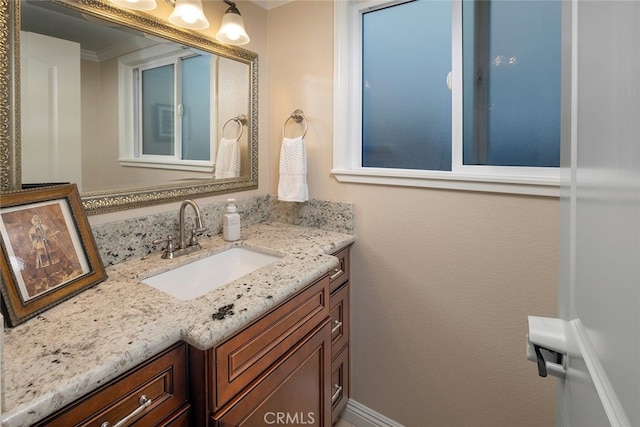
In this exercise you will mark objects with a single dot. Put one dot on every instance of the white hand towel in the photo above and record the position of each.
(228, 159)
(293, 171)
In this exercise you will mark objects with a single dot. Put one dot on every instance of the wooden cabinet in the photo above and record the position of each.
(294, 391)
(340, 327)
(242, 358)
(340, 275)
(278, 366)
(153, 394)
(290, 366)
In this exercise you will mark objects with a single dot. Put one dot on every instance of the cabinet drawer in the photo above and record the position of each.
(339, 383)
(179, 419)
(292, 391)
(163, 380)
(340, 274)
(339, 312)
(243, 357)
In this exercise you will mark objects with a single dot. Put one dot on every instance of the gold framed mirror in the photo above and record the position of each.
(154, 183)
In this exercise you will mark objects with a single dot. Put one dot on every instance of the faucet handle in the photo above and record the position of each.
(169, 249)
(193, 241)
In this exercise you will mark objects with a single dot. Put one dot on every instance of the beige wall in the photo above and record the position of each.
(442, 281)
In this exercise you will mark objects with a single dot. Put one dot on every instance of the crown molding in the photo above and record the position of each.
(270, 4)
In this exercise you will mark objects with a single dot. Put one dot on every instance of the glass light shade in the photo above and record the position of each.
(232, 30)
(136, 4)
(189, 14)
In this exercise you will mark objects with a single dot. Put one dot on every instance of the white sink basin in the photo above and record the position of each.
(192, 280)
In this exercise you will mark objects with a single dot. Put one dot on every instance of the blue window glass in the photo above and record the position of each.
(511, 91)
(511, 84)
(158, 111)
(406, 104)
(196, 87)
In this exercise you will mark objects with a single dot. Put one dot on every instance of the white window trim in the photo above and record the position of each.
(163, 54)
(347, 132)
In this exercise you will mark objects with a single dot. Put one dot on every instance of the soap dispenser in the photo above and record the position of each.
(231, 222)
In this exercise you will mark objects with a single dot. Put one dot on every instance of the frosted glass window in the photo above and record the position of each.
(511, 58)
(196, 112)
(511, 93)
(158, 107)
(406, 104)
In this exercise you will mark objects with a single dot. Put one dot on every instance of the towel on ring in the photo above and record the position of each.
(228, 159)
(293, 171)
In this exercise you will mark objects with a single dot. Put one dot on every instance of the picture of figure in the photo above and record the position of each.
(43, 249)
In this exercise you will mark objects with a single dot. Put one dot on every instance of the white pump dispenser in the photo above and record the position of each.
(231, 222)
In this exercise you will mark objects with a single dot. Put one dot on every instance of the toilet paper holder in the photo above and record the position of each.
(547, 345)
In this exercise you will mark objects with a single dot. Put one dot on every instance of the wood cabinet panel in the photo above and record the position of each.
(340, 323)
(243, 357)
(340, 275)
(180, 419)
(339, 307)
(163, 379)
(294, 391)
(339, 383)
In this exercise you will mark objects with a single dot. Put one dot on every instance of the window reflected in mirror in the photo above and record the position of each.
(110, 107)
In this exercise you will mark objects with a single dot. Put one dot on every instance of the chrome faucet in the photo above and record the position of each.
(199, 228)
(185, 246)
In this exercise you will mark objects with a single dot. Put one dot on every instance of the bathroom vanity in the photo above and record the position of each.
(272, 344)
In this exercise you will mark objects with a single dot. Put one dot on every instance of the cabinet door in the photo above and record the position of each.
(295, 391)
(243, 357)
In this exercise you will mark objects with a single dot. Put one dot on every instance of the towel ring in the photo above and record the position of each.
(298, 117)
(241, 120)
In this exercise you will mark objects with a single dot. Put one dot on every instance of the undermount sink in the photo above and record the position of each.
(192, 280)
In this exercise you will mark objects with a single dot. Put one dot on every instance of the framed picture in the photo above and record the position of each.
(165, 122)
(48, 250)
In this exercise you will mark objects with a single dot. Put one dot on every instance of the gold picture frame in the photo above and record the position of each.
(48, 250)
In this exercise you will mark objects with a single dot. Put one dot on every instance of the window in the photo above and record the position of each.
(169, 95)
(458, 94)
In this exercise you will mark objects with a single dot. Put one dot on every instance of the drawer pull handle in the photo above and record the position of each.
(336, 395)
(337, 273)
(144, 403)
(337, 327)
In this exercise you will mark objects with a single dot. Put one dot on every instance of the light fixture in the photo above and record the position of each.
(136, 4)
(188, 14)
(232, 27)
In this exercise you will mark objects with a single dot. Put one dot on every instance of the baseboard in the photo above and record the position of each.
(361, 416)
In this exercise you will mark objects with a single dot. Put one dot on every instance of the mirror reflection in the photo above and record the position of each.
(108, 107)
(133, 150)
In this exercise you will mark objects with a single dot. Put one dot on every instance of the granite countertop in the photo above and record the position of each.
(80, 344)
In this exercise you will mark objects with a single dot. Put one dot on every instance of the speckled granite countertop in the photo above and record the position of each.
(75, 347)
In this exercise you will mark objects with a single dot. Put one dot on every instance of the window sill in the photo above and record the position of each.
(536, 186)
(185, 165)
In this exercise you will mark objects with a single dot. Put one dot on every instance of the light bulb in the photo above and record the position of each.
(233, 32)
(190, 14)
